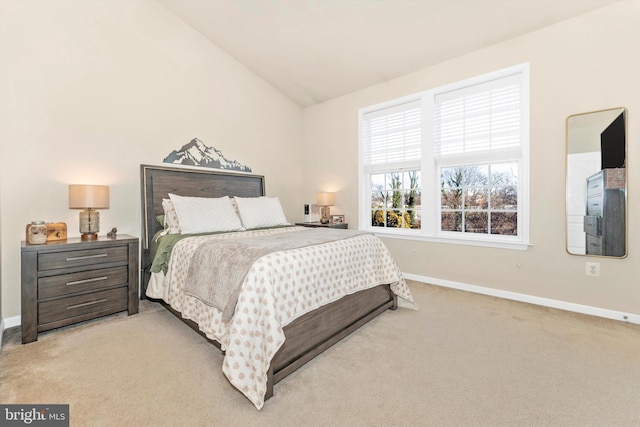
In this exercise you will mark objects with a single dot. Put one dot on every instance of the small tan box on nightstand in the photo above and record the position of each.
(55, 231)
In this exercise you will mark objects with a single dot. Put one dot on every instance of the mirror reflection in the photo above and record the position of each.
(596, 183)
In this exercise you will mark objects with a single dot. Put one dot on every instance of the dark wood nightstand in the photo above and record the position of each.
(70, 281)
(319, 224)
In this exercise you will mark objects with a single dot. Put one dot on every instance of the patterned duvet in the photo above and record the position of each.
(278, 288)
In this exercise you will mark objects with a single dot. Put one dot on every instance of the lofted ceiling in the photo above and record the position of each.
(315, 50)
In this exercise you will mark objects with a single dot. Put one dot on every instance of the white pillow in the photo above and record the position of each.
(204, 215)
(260, 212)
(171, 223)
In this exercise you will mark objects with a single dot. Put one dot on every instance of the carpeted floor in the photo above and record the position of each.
(461, 360)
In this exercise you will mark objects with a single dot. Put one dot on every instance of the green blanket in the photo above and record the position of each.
(161, 247)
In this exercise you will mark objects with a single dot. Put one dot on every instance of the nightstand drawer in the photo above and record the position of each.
(594, 205)
(94, 304)
(65, 284)
(594, 245)
(594, 186)
(55, 260)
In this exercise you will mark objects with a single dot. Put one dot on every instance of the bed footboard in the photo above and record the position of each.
(316, 331)
(313, 333)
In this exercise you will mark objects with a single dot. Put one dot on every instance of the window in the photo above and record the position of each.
(480, 199)
(392, 162)
(450, 163)
(395, 199)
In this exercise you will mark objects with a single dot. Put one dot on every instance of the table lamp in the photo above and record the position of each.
(325, 200)
(89, 198)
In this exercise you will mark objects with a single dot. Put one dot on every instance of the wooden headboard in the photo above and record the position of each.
(158, 181)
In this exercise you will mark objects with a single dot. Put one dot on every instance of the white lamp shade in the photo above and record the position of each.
(88, 196)
(325, 199)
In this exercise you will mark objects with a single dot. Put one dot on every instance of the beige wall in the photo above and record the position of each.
(89, 90)
(587, 63)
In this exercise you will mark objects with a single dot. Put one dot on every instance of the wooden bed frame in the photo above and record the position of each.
(305, 337)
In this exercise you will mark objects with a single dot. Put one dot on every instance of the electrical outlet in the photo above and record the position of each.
(593, 269)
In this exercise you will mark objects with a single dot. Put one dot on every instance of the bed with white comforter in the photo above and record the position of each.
(278, 287)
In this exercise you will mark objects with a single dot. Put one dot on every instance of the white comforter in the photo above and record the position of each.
(278, 288)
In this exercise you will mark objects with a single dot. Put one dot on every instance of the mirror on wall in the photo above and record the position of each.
(597, 183)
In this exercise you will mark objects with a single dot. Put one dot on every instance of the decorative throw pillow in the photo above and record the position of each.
(260, 212)
(171, 223)
(205, 215)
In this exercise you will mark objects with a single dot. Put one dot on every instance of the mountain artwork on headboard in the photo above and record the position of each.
(196, 153)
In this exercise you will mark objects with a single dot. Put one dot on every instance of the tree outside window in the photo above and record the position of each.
(396, 199)
(480, 199)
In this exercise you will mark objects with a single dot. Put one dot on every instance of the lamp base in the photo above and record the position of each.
(325, 215)
(89, 224)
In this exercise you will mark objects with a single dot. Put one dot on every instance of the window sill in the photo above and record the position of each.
(515, 245)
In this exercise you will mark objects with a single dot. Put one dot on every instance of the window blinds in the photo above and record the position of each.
(392, 136)
(479, 123)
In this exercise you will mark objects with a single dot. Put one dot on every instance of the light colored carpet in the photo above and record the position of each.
(461, 360)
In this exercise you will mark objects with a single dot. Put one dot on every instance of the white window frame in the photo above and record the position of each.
(430, 172)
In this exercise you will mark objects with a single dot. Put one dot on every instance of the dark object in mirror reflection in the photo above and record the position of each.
(612, 144)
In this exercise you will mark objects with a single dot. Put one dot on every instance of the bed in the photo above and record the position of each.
(293, 340)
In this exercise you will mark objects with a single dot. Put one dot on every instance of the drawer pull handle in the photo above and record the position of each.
(75, 258)
(79, 282)
(84, 304)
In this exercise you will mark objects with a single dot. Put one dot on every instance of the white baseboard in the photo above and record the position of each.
(7, 323)
(10, 322)
(546, 302)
